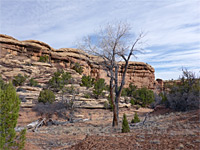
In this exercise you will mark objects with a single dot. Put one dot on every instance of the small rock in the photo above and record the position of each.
(181, 146)
(197, 141)
(140, 140)
(140, 136)
(137, 144)
(155, 141)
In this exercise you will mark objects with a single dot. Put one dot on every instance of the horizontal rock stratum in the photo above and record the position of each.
(29, 52)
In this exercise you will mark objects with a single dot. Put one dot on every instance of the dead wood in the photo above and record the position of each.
(39, 124)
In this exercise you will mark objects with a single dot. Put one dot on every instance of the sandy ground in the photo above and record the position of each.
(163, 129)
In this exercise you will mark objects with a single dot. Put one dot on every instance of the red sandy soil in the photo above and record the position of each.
(163, 130)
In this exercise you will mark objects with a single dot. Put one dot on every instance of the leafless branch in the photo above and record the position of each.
(110, 46)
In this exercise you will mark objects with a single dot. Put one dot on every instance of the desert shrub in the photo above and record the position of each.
(87, 81)
(125, 125)
(110, 103)
(65, 78)
(135, 119)
(55, 82)
(106, 105)
(184, 95)
(137, 106)
(46, 96)
(126, 100)
(70, 89)
(142, 96)
(107, 88)
(19, 80)
(159, 100)
(163, 97)
(78, 68)
(2, 83)
(130, 91)
(99, 86)
(132, 102)
(124, 92)
(47, 109)
(145, 96)
(59, 80)
(33, 82)
(87, 95)
(44, 58)
(9, 104)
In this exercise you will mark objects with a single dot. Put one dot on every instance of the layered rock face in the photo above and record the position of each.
(29, 51)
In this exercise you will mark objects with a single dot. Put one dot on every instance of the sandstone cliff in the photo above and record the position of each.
(139, 73)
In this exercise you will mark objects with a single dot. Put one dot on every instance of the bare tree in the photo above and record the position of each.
(112, 45)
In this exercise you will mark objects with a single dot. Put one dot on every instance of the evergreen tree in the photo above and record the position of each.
(19, 80)
(87, 81)
(135, 119)
(125, 126)
(78, 68)
(33, 82)
(2, 84)
(9, 108)
(145, 96)
(99, 86)
(59, 80)
(46, 96)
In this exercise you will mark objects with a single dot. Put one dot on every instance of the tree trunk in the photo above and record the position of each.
(117, 109)
(115, 118)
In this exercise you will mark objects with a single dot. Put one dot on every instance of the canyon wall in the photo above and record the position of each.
(138, 73)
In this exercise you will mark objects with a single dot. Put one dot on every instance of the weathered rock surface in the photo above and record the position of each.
(139, 73)
(21, 57)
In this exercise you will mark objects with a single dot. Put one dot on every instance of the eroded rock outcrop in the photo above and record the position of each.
(29, 51)
(21, 57)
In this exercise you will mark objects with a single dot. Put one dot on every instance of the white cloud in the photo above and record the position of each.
(171, 25)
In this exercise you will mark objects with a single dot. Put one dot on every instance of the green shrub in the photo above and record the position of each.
(87, 81)
(138, 106)
(107, 88)
(22, 139)
(135, 119)
(87, 95)
(19, 80)
(65, 78)
(145, 96)
(59, 80)
(99, 86)
(130, 91)
(132, 102)
(9, 109)
(124, 92)
(2, 83)
(44, 58)
(33, 82)
(125, 126)
(70, 89)
(142, 96)
(78, 68)
(110, 103)
(106, 105)
(46, 96)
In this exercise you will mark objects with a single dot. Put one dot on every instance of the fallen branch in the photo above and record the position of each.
(32, 124)
(19, 129)
(146, 117)
(40, 123)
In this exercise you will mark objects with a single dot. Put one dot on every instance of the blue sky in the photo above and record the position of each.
(172, 26)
